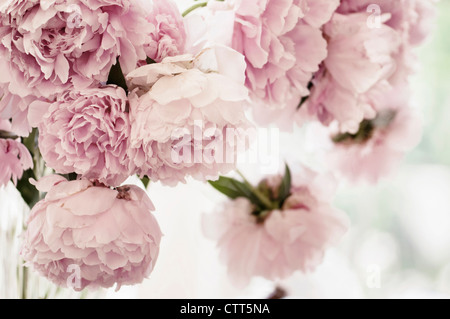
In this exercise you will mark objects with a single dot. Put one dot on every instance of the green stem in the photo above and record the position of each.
(24, 282)
(257, 193)
(8, 135)
(195, 6)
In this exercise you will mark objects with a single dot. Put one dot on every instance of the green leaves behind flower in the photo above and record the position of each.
(367, 129)
(146, 181)
(285, 187)
(116, 76)
(259, 196)
(305, 98)
(234, 189)
(150, 61)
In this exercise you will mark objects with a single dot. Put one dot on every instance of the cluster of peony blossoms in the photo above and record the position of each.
(104, 90)
(339, 63)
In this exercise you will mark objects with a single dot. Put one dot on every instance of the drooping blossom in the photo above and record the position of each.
(274, 244)
(411, 19)
(14, 156)
(48, 47)
(360, 59)
(168, 37)
(86, 132)
(82, 235)
(187, 115)
(380, 143)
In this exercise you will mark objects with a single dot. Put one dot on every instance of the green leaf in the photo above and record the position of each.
(116, 76)
(305, 98)
(248, 193)
(230, 187)
(145, 180)
(233, 189)
(29, 193)
(302, 101)
(285, 187)
(71, 176)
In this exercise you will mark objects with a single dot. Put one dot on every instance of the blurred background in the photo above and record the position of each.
(398, 245)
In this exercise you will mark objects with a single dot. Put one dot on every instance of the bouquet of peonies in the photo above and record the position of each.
(93, 92)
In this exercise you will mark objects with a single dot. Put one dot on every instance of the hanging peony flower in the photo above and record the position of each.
(86, 132)
(411, 19)
(48, 47)
(187, 115)
(360, 58)
(82, 235)
(275, 242)
(169, 36)
(14, 156)
(381, 143)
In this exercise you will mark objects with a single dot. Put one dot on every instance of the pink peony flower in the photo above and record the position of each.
(185, 114)
(82, 235)
(169, 36)
(14, 156)
(51, 46)
(413, 20)
(86, 132)
(279, 242)
(15, 108)
(283, 46)
(359, 59)
(381, 143)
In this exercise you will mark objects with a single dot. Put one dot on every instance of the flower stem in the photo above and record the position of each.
(8, 135)
(195, 6)
(24, 282)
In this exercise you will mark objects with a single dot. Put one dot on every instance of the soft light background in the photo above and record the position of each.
(398, 246)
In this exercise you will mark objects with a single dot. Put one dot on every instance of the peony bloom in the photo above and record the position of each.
(360, 58)
(169, 36)
(86, 132)
(283, 46)
(82, 235)
(51, 46)
(15, 108)
(186, 113)
(274, 244)
(14, 156)
(381, 143)
(411, 19)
